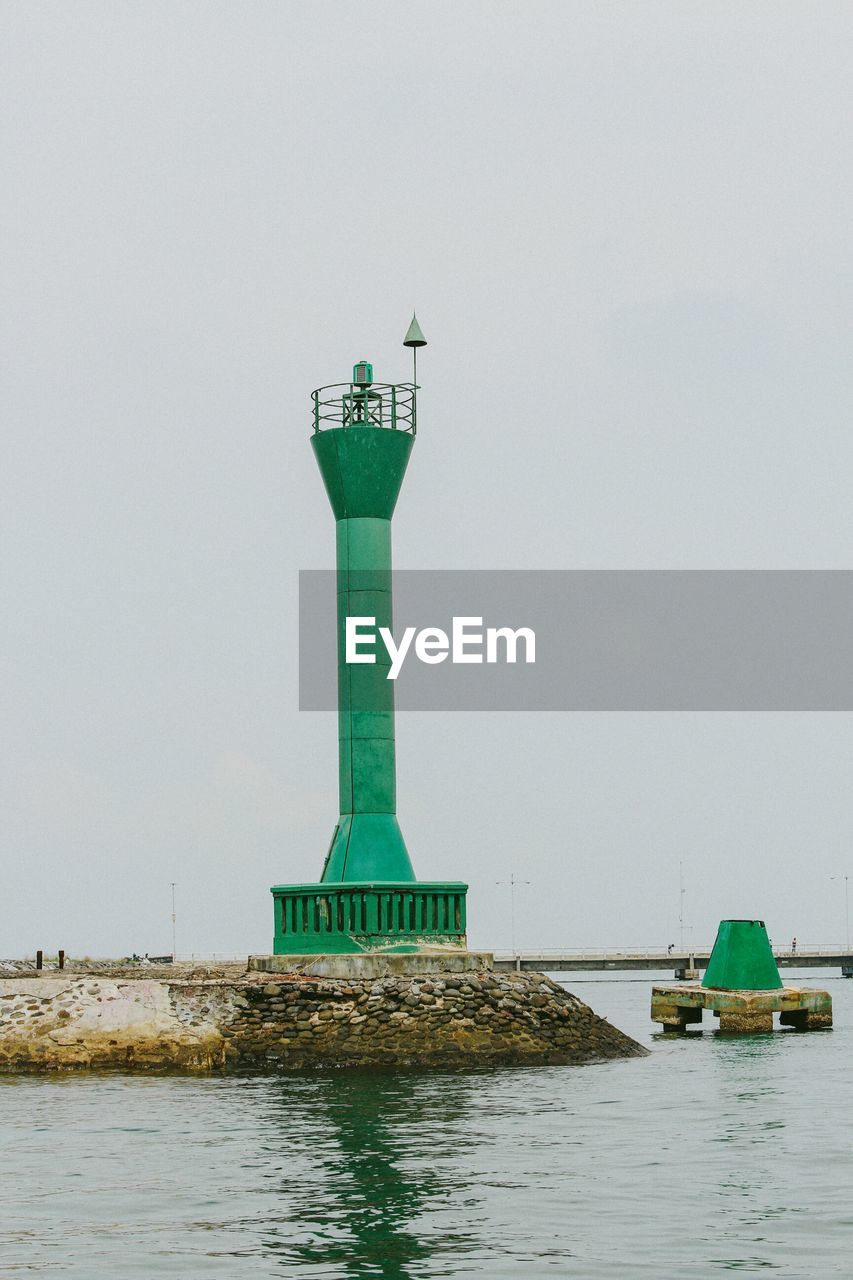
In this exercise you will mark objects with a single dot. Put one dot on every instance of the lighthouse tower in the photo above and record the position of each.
(368, 898)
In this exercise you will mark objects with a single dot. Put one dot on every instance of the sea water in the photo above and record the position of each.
(713, 1155)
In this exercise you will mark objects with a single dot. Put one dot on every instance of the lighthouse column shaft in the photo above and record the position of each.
(365, 694)
(363, 468)
(367, 843)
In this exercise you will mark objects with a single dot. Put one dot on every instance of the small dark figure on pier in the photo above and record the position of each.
(793, 946)
(670, 949)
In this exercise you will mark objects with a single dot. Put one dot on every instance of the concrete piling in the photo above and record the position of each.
(680, 1005)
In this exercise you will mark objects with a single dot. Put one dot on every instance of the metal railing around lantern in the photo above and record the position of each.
(392, 405)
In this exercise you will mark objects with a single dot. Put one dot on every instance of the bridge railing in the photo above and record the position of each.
(600, 953)
(663, 953)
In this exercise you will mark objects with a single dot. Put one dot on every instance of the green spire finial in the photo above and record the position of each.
(414, 337)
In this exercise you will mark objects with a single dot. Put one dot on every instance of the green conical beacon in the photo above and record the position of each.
(742, 959)
(742, 988)
(368, 898)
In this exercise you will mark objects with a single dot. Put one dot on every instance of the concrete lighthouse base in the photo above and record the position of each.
(377, 964)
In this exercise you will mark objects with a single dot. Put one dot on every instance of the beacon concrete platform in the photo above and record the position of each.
(742, 988)
(679, 1005)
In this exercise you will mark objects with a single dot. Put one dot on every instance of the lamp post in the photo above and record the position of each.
(512, 882)
(846, 880)
(174, 952)
(681, 892)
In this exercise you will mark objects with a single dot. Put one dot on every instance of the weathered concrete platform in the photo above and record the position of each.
(377, 964)
(676, 1006)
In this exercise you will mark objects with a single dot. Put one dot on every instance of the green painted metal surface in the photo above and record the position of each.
(363, 468)
(368, 897)
(742, 959)
(315, 919)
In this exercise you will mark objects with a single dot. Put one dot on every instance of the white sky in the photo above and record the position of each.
(626, 229)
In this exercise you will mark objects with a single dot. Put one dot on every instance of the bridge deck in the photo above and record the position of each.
(636, 959)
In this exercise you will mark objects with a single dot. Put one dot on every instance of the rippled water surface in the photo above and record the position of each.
(712, 1155)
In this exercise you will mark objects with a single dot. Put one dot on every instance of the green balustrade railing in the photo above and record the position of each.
(383, 916)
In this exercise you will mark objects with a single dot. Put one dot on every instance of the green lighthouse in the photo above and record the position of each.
(367, 899)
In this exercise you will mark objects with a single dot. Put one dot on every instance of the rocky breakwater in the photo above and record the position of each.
(296, 1021)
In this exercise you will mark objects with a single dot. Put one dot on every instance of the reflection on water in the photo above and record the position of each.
(714, 1155)
(366, 1200)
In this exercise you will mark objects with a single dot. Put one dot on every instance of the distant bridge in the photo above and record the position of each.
(684, 963)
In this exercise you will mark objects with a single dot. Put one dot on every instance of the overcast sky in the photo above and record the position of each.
(626, 229)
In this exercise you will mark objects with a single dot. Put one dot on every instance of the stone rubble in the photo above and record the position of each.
(279, 1022)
